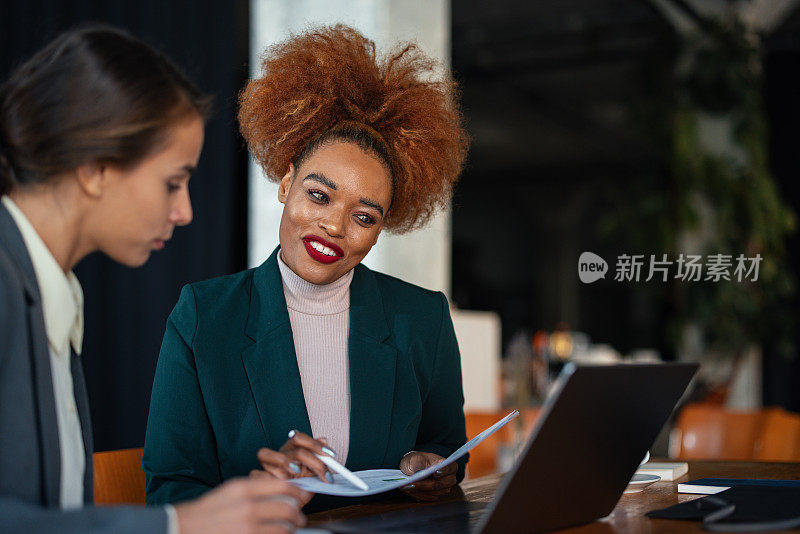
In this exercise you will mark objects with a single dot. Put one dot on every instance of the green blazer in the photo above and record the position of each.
(227, 381)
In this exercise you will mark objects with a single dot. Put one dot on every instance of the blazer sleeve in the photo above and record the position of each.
(442, 429)
(17, 517)
(180, 454)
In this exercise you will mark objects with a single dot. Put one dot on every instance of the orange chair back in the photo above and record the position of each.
(706, 431)
(780, 437)
(118, 477)
(483, 458)
(712, 432)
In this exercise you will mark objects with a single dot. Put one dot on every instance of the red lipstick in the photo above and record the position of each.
(319, 256)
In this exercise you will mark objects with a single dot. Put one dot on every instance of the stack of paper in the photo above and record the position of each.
(666, 470)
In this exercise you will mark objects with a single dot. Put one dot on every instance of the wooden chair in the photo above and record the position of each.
(780, 437)
(483, 458)
(706, 431)
(118, 477)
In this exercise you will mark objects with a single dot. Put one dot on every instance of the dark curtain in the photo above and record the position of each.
(782, 97)
(126, 309)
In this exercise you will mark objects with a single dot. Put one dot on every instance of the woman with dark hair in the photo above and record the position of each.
(313, 343)
(99, 135)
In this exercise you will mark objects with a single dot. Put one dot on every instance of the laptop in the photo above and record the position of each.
(593, 431)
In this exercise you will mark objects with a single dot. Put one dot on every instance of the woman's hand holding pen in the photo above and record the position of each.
(433, 487)
(296, 458)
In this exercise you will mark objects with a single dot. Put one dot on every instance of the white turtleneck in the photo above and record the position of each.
(320, 319)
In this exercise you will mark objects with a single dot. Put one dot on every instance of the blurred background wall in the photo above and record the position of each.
(594, 128)
(634, 127)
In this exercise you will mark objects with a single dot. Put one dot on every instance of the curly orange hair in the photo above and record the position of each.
(328, 80)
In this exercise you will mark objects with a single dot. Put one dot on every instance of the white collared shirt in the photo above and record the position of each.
(62, 307)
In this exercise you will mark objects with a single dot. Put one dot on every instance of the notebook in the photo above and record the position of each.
(744, 508)
(711, 486)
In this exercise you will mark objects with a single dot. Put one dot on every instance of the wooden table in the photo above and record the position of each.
(628, 515)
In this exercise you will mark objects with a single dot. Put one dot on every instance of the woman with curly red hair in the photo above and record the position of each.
(312, 343)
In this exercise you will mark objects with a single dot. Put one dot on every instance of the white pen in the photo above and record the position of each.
(342, 470)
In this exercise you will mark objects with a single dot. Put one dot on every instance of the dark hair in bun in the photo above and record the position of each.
(94, 94)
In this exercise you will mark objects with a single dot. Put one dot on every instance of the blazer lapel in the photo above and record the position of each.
(82, 403)
(372, 373)
(40, 360)
(270, 362)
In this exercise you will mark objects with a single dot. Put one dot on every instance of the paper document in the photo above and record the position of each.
(380, 480)
(710, 486)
